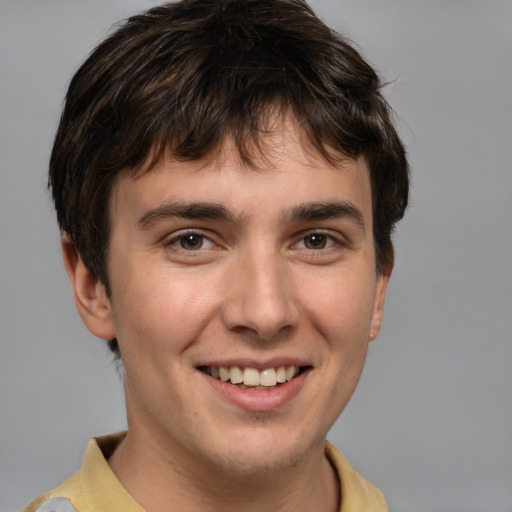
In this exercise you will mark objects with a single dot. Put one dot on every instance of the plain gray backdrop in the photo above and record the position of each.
(431, 421)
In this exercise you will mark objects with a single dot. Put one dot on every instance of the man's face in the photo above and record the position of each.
(218, 271)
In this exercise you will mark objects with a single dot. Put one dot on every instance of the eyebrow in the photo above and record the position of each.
(196, 210)
(215, 211)
(326, 211)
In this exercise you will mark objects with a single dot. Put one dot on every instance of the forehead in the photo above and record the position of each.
(285, 172)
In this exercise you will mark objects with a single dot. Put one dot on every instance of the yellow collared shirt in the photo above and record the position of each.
(95, 488)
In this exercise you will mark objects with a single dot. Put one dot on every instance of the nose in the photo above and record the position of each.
(261, 301)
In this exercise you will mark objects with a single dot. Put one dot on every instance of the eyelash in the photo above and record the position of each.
(179, 239)
(330, 240)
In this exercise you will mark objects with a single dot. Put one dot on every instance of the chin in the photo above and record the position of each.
(256, 464)
(261, 453)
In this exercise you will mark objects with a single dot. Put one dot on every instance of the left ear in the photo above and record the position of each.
(90, 295)
(380, 299)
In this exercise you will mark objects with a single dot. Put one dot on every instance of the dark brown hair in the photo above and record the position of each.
(183, 78)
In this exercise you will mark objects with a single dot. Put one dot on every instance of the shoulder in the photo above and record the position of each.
(93, 487)
(59, 500)
(356, 492)
(50, 505)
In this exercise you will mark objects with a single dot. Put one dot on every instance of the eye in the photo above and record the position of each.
(190, 241)
(317, 241)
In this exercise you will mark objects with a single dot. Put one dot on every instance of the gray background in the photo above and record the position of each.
(431, 422)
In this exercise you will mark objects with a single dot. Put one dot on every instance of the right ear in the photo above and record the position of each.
(90, 295)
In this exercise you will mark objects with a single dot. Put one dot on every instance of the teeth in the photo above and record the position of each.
(291, 371)
(252, 377)
(268, 377)
(281, 374)
(236, 375)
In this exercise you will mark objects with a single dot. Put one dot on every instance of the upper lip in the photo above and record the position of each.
(253, 363)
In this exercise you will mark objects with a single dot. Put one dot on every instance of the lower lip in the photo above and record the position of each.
(259, 401)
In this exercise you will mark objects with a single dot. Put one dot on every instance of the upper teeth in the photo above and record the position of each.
(252, 376)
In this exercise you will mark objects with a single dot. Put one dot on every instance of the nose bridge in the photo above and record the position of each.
(261, 298)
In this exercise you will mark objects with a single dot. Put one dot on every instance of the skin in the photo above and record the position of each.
(251, 288)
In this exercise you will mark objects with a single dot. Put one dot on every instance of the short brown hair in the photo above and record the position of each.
(182, 78)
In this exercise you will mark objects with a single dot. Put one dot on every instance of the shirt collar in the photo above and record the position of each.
(103, 491)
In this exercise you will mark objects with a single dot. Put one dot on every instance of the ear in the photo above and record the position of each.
(90, 295)
(380, 299)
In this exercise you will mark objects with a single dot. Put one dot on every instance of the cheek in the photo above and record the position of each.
(164, 312)
(342, 306)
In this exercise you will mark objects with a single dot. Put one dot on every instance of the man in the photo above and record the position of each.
(227, 177)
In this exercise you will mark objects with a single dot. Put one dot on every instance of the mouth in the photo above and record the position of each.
(253, 379)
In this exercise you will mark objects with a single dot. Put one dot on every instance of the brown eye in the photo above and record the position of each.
(191, 242)
(315, 241)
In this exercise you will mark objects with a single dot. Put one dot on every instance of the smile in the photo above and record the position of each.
(252, 378)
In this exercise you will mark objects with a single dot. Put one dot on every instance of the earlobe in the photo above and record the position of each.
(89, 293)
(380, 299)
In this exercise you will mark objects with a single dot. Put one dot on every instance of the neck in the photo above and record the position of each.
(156, 480)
